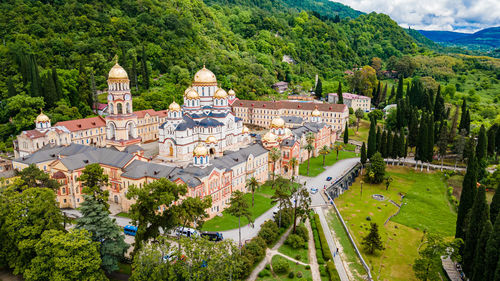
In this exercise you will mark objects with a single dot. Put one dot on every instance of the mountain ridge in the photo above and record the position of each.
(486, 38)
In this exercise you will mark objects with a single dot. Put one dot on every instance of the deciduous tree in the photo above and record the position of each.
(239, 208)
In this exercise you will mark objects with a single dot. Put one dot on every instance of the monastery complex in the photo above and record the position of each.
(203, 143)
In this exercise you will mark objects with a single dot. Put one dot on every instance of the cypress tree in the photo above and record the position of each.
(421, 150)
(346, 134)
(372, 139)
(49, 90)
(478, 266)
(482, 144)
(340, 94)
(363, 154)
(400, 88)
(492, 255)
(463, 116)
(390, 139)
(454, 123)
(133, 74)
(480, 213)
(11, 91)
(443, 141)
(413, 129)
(383, 144)
(467, 196)
(35, 83)
(145, 70)
(396, 146)
(392, 95)
(495, 204)
(439, 112)
(467, 121)
(378, 93)
(379, 139)
(319, 89)
(430, 138)
(383, 95)
(492, 132)
(57, 84)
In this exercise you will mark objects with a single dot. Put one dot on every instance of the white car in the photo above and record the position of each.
(313, 190)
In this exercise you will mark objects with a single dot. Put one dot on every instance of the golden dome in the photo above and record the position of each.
(174, 107)
(42, 118)
(278, 122)
(220, 94)
(231, 92)
(245, 130)
(200, 150)
(316, 113)
(204, 76)
(117, 72)
(192, 95)
(211, 139)
(269, 137)
(187, 90)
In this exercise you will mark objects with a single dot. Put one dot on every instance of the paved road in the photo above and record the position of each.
(331, 244)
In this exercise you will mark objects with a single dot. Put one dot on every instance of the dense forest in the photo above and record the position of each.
(56, 54)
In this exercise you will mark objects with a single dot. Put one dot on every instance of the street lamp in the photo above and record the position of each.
(361, 194)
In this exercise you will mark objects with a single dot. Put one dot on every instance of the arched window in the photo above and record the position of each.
(128, 108)
(119, 108)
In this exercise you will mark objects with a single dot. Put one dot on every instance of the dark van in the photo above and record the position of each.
(212, 235)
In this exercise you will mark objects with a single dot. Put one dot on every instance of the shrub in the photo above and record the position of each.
(269, 232)
(299, 274)
(327, 255)
(281, 266)
(286, 217)
(264, 273)
(332, 271)
(302, 232)
(291, 275)
(294, 241)
(320, 258)
(255, 250)
(322, 271)
(298, 257)
(268, 266)
(308, 267)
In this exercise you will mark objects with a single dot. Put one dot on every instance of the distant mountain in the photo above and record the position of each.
(488, 38)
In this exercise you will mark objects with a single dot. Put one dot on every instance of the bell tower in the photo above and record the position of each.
(121, 122)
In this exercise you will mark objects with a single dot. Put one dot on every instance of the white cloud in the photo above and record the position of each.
(452, 15)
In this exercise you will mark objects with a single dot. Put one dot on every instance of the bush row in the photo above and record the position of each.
(317, 244)
(332, 271)
(327, 255)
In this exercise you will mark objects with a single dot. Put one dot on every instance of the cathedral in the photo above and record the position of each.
(205, 119)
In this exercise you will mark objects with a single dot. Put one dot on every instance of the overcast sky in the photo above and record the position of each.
(451, 15)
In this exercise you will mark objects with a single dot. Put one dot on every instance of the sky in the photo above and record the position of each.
(451, 15)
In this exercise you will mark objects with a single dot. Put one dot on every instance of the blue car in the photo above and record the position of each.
(328, 178)
(130, 230)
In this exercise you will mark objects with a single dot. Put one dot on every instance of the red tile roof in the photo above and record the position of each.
(83, 124)
(291, 105)
(142, 113)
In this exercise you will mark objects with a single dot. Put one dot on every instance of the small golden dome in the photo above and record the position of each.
(42, 118)
(192, 95)
(174, 107)
(200, 150)
(204, 76)
(278, 122)
(211, 139)
(245, 130)
(316, 113)
(220, 94)
(269, 137)
(187, 90)
(117, 72)
(231, 92)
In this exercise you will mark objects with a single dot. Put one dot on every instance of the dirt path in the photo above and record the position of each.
(312, 253)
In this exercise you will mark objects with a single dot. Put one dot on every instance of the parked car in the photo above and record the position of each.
(328, 178)
(314, 190)
(187, 232)
(212, 235)
(130, 230)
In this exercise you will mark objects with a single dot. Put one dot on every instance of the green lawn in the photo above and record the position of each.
(306, 273)
(293, 253)
(362, 134)
(123, 215)
(352, 259)
(227, 222)
(316, 163)
(426, 207)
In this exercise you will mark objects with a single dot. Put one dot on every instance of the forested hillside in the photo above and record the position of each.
(56, 54)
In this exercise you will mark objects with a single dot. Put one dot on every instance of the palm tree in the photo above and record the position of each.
(274, 155)
(324, 151)
(293, 163)
(309, 147)
(281, 195)
(310, 138)
(337, 148)
(252, 184)
(239, 208)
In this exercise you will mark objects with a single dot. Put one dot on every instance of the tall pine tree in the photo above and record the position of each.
(379, 139)
(319, 89)
(346, 134)
(492, 133)
(383, 144)
(478, 266)
(466, 197)
(492, 255)
(340, 95)
(399, 94)
(372, 139)
(480, 213)
(495, 204)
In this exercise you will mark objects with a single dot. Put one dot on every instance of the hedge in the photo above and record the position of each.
(317, 244)
(332, 271)
(327, 255)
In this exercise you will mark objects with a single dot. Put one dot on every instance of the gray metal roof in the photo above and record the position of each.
(293, 119)
(49, 153)
(105, 156)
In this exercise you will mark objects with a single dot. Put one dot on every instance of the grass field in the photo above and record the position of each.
(293, 253)
(362, 134)
(123, 215)
(306, 273)
(425, 206)
(262, 202)
(316, 164)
